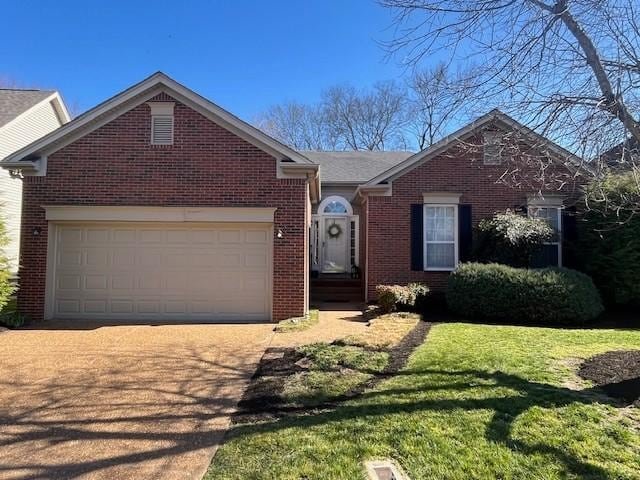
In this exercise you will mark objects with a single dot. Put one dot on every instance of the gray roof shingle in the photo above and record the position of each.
(354, 166)
(13, 102)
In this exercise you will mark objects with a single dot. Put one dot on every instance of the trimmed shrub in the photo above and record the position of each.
(398, 297)
(511, 239)
(540, 296)
(609, 244)
(421, 292)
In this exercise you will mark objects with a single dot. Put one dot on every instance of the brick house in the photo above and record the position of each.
(159, 205)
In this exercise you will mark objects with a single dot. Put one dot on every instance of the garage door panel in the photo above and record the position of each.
(123, 235)
(96, 282)
(191, 273)
(96, 257)
(69, 258)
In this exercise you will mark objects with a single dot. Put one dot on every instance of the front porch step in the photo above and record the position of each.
(337, 289)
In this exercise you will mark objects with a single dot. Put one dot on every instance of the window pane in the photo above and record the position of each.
(335, 207)
(440, 255)
(440, 224)
(552, 216)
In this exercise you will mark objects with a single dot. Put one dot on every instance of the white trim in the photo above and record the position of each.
(384, 190)
(441, 198)
(161, 108)
(456, 243)
(466, 131)
(139, 93)
(159, 214)
(335, 198)
(538, 200)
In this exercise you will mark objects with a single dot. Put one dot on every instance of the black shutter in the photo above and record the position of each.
(569, 237)
(417, 237)
(465, 233)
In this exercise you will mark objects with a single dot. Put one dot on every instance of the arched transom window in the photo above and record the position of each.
(335, 205)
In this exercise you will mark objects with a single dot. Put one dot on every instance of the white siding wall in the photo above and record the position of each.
(13, 136)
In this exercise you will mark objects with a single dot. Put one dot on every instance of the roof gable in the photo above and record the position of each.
(494, 117)
(140, 93)
(14, 103)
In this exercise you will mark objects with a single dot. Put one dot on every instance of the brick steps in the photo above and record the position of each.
(337, 289)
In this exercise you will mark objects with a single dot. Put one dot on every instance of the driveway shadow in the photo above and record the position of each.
(122, 403)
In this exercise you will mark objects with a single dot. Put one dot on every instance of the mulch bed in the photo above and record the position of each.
(262, 401)
(615, 372)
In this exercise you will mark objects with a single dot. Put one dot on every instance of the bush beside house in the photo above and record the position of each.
(541, 296)
(610, 239)
(399, 297)
(510, 239)
(7, 287)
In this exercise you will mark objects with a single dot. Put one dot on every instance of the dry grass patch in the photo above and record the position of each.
(385, 331)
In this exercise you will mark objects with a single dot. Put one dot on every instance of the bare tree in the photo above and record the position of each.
(344, 119)
(435, 104)
(361, 120)
(299, 126)
(569, 68)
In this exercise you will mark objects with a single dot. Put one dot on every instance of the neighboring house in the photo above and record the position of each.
(25, 116)
(159, 205)
(623, 156)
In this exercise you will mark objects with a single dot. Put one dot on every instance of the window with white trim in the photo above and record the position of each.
(551, 252)
(440, 237)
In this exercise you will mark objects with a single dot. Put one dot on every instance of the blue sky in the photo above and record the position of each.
(243, 55)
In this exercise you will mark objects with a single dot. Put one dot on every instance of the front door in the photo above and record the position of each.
(336, 244)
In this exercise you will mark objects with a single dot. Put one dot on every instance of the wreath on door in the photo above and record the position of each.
(334, 230)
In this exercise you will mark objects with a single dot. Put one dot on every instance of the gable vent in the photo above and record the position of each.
(162, 129)
(493, 145)
(161, 123)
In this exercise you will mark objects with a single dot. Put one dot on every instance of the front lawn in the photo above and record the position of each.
(475, 401)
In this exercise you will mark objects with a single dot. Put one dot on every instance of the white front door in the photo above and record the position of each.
(336, 236)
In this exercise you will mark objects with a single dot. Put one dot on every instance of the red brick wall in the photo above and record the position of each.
(206, 166)
(463, 172)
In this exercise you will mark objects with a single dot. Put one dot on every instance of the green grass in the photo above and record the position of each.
(298, 324)
(324, 356)
(474, 402)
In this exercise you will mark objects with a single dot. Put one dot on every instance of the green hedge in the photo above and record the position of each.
(540, 296)
(610, 239)
(400, 297)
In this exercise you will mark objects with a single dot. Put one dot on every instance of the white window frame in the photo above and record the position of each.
(456, 243)
(558, 242)
(337, 199)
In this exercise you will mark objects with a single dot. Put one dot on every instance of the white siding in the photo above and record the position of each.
(17, 134)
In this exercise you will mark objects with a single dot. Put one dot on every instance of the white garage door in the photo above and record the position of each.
(149, 271)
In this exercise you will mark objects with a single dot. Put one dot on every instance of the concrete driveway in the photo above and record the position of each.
(120, 402)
